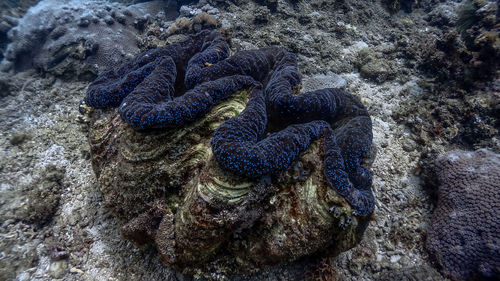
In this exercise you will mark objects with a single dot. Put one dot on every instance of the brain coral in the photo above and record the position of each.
(242, 166)
(464, 236)
(78, 38)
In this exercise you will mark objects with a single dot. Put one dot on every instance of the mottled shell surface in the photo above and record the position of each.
(168, 191)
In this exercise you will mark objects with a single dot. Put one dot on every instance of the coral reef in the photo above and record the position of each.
(469, 52)
(66, 38)
(10, 13)
(396, 5)
(326, 36)
(461, 97)
(9, 4)
(197, 203)
(408, 5)
(465, 231)
(442, 15)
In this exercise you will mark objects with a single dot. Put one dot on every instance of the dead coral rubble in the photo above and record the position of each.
(461, 98)
(470, 51)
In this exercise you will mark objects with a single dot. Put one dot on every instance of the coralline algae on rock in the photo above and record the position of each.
(173, 192)
(464, 236)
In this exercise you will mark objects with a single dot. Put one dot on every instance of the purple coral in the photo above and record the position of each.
(464, 236)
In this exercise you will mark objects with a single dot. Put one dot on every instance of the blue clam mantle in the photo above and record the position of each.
(145, 90)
